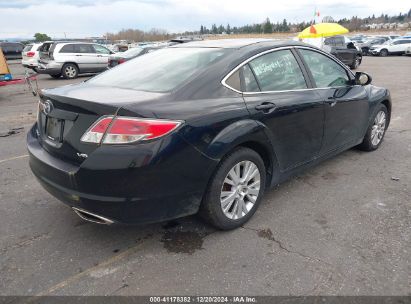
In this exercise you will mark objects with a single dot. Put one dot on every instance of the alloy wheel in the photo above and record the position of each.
(70, 71)
(240, 190)
(378, 128)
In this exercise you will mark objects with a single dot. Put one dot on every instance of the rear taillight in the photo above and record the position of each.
(123, 130)
(121, 60)
(30, 54)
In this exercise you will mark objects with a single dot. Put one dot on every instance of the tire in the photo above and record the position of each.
(70, 71)
(356, 63)
(365, 51)
(211, 209)
(56, 76)
(376, 130)
(384, 53)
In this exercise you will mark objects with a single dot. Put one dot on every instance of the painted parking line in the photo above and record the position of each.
(13, 158)
(72, 279)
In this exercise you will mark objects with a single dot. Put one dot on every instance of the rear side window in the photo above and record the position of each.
(329, 41)
(339, 41)
(278, 71)
(326, 72)
(83, 48)
(250, 84)
(68, 48)
(234, 81)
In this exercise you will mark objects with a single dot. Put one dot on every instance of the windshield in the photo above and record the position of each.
(159, 71)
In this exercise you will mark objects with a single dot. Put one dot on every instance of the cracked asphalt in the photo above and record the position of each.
(341, 228)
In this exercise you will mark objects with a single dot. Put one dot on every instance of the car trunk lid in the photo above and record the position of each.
(66, 113)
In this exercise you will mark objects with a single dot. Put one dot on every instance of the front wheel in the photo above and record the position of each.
(235, 190)
(356, 63)
(376, 130)
(384, 53)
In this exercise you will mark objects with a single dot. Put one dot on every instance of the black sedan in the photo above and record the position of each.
(202, 127)
(119, 58)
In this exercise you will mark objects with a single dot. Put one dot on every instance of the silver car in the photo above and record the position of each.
(69, 59)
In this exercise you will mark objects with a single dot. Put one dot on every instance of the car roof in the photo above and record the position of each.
(235, 43)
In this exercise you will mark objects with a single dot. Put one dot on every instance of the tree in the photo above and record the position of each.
(202, 30)
(214, 29)
(267, 27)
(41, 37)
(228, 29)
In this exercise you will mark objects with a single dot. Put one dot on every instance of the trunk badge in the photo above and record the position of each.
(47, 107)
(82, 155)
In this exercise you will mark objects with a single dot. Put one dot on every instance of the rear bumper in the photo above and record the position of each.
(50, 68)
(30, 63)
(134, 190)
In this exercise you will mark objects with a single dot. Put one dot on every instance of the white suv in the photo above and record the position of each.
(69, 59)
(30, 55)
(397, 46)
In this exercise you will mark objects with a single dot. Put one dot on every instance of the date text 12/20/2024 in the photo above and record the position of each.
(203, 299)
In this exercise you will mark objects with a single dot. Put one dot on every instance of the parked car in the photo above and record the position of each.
(346, 52)
(366, 45)
(205, 126)
(69, 59)
(12, 50)
(391, 47)
(119, 58)
(408, 51)
(30, 55)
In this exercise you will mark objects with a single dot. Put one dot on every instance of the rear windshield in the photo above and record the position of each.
(131, 52)
(159, 71)
(27, 47)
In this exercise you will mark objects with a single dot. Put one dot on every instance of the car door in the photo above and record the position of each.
(102, 55)
(346, 55)
(277, 93)
(346, 105)
(402, 45)
(86, 57)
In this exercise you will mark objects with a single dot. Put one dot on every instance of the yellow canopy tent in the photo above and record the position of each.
(322, 30)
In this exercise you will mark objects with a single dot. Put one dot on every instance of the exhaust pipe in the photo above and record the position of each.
(91, 217)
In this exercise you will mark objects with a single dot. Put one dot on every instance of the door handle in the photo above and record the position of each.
(79, 55)
(331, 101)
(266, 107)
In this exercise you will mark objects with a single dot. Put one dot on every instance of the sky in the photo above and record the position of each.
(86, 18)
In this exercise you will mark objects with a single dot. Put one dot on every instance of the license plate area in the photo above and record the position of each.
(54, 129)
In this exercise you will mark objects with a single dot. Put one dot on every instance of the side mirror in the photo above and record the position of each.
(362, 78)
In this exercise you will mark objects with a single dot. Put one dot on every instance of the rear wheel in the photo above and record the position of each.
(376, 130)
(384, 53)
(235, 190)
(70, 71)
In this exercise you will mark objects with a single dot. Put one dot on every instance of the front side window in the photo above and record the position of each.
(160, 71)
(278, 71)
(101, 49)
(326, 72)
